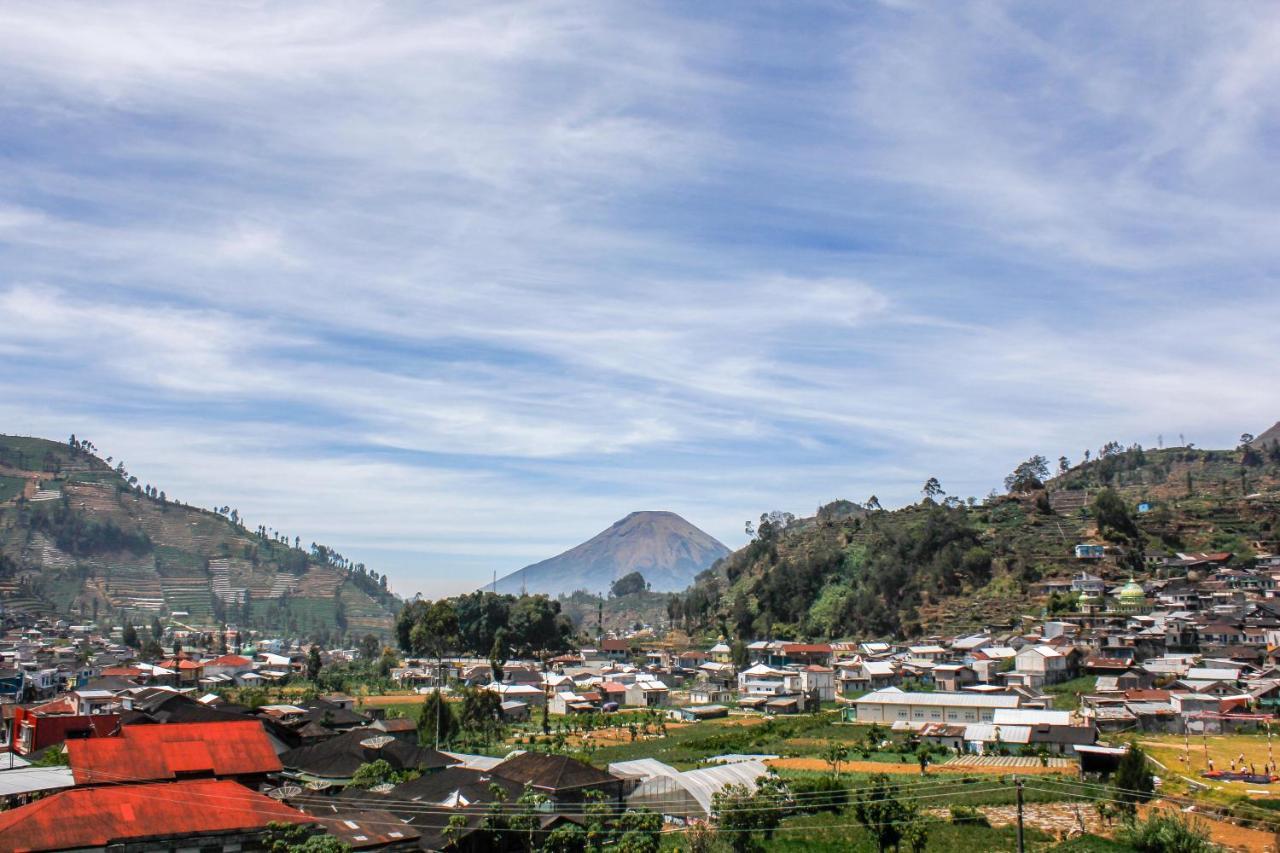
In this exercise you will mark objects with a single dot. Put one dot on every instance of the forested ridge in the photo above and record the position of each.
(856, 570)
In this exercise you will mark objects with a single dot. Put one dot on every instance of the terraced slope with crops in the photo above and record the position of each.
(81, 539)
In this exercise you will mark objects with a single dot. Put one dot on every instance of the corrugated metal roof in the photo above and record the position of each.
(986, 732)
(147, 753)
(1030, 717)
(95, 817)
(894, 696)
(28, 780)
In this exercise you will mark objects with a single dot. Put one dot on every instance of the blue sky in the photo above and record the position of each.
(453, 286)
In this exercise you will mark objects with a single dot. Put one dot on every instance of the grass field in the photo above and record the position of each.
(1066, 694)
(1170, 750)
(11, 487)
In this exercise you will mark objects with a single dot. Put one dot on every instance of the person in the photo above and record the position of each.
(1210, 765)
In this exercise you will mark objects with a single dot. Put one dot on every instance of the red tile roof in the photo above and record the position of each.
(615, 646)
(96, 817)
(229, 660)
(806, 648)
(121, 671)
(164, 751)
(61, 705)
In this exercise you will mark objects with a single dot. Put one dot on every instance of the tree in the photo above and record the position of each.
(932, 489)
(1133, 782)
(373, 773)
(313, 663)
(873, 504)
(437, 725)
(294, 838)
(1167, 832)
(1028, 476)
(1064, 465)
(369, 647)
(628, 584)
(883, 815)
(481, 715)
(129, 635)
(740, 654)
(1114, 521)
(835, 754)
(746, 819)
(498, 654)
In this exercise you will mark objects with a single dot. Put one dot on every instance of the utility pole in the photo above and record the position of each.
(1018, 787)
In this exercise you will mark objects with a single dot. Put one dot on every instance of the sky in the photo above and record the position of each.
(451, 287)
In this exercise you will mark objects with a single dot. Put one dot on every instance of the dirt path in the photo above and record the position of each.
(910, 768)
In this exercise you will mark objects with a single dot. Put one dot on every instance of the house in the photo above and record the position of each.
(807, 654)
(647, 693)
(1041, 665)
(951, 677)
(54, 722)
(721, 653)
(238, 750)
(928, 653)
(892, 705)
(561, 779)
(618, 650)
(697, 713)
(336, 760)
(1089, 552)
(222, 815)
(709, 694)
(818, 681)
(765, 682)
(867, 675)
(451, 788)
(230, 666)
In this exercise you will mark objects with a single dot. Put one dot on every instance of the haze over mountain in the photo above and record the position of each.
(662, 546)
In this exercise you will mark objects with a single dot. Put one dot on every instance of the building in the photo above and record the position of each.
(560, 778)
(54, 722)
(689, 795)
(237, 750)
(1041, 665)
(336, 760)
(222, 815)
(892, 705)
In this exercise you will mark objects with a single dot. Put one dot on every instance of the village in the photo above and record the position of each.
(1186, 664)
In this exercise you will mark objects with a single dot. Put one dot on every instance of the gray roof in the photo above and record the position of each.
(894, 696)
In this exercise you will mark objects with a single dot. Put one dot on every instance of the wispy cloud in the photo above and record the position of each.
(455, 288)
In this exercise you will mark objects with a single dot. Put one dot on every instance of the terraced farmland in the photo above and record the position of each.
(80, 540)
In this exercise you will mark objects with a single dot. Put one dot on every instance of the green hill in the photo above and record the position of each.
(950, 565)
(79, 538)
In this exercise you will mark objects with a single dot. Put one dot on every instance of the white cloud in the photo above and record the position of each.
(404, 278)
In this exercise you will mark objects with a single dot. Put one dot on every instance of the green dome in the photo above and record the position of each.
(1131, 593)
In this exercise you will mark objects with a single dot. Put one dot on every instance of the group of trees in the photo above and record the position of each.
(484, 623)
(82, 536)
(628, 584)
(812, 582)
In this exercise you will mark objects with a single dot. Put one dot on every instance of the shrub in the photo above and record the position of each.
(968, 816)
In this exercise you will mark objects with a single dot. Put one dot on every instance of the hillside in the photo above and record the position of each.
(662, 546)
(954, 566)
(81, 539)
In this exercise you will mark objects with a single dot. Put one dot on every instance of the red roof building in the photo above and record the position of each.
(142, 814)
(235, 749)
(53, 722)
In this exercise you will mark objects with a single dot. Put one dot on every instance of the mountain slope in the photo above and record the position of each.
(662, 546)
(81, 539)
(947, 568)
